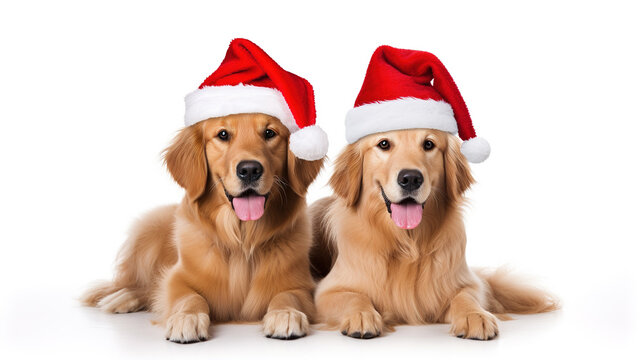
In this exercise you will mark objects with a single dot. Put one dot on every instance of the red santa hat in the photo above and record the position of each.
(407, 89)
(249, 81)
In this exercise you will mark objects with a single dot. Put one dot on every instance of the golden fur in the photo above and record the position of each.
(378, 275)
(196, 262)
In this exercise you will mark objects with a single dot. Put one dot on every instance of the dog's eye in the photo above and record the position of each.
(269, 134)
(223, 135)
(428, 145)
(384, 145)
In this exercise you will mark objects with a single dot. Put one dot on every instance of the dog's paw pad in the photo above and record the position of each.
(185, 328)
(475, 326)
(287, 324)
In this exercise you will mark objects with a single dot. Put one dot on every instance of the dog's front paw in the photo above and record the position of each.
(476, 326)
(186, 328)
(287, 324)
(363, 325)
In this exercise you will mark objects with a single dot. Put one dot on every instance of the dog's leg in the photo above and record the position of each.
(352, 311)
(188, 318)
(468, 318)
(282, 287)
(286, 317)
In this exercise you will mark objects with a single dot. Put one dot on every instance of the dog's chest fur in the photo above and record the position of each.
(229, 287)
(412, 293)
(410, 279)
(224, 277)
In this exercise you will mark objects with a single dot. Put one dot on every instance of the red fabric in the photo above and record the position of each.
(246, 63)
(396, 73)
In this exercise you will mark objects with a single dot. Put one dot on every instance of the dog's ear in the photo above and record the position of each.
(457, 174)
(185, 159)
(347, 177)
(301, 173)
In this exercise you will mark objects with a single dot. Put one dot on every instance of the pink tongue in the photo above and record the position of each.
(248, 207)
(406, 216)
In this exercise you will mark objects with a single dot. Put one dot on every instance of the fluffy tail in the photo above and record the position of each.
(510, 294)
(147, 251)
(97, 292)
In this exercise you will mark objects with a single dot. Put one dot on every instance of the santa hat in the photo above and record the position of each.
(249, 81)
(407, 89)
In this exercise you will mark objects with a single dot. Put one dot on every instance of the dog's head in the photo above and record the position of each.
(242, 159)
(400, 171)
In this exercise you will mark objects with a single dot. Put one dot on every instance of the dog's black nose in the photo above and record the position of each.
(410, 180)
(249, 171)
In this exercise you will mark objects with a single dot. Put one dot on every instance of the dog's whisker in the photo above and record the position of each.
(438, 191)
(214, 184)
(435, 199)
(280, 187)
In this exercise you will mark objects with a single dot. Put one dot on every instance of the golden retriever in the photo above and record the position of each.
(391, 242)
(218, 256)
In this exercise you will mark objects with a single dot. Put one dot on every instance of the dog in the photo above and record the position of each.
(236, 248)
(390, 244)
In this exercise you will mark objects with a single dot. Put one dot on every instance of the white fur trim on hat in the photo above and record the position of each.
(309, 143)
(399, 114)
(476, 149)
(215, 101)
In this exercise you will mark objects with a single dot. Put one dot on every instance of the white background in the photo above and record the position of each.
(91, 93)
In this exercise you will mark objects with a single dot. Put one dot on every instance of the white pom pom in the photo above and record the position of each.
(309, 143)
(476, 150)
